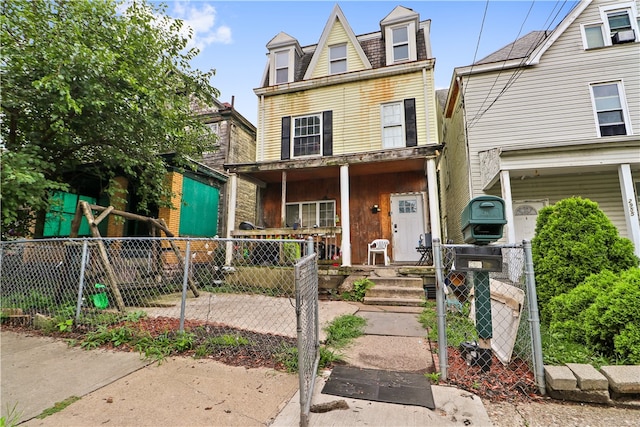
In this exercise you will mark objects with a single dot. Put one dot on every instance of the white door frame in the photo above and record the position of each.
(408, 237)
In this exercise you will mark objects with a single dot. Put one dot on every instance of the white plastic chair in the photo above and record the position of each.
(378, 246)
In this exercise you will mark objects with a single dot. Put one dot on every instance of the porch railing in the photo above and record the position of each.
(327, 239)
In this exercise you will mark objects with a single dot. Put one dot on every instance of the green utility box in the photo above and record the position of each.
(482, 220)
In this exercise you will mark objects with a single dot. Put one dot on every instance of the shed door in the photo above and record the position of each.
(407, 224)
(199, 210)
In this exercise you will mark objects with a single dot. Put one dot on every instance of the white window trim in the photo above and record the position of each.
(623, 104)
(605, 10)
(402, 123)
(290, 66)
(345, 58)
(411, 35)
(583, 32)
(293, 136)
(317, 203)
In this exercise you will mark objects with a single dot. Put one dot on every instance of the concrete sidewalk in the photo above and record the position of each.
(118, 388)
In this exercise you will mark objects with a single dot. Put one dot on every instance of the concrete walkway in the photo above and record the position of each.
(120, 389)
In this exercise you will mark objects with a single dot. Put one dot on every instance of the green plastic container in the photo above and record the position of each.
(100, 299)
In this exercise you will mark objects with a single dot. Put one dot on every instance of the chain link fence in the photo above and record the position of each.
(239, 296)
(488, 318)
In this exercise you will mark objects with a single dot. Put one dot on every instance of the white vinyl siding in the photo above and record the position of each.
(602, 188)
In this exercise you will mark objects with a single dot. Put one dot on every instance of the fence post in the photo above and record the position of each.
(534, 318)
(185, 284)
(440, 308)
(83, 266)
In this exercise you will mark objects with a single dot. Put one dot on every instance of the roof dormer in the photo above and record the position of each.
(338, 50)
(399, 30)
(284, 52)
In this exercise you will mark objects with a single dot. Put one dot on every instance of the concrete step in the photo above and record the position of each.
(395, 292)
(405, 302)
(406, 282)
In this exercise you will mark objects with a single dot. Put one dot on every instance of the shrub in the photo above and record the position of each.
(602, 313)
(573, 240)
(612, 321)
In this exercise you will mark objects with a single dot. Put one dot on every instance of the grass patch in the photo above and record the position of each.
(57, 407)
(556, 350)
(460, 327)
(360, 288)
(12, 417)
(343, 330)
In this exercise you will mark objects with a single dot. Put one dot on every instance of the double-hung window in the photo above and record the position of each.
(309, 214)
(400, 44)
(619, 25)
(392, 125)
(338, 59)
(610, 109)
(282, 67)
(307, 135)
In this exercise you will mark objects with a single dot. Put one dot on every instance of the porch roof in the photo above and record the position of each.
(373, 162)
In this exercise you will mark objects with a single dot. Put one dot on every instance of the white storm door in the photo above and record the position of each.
(407, 224)
(525, 215)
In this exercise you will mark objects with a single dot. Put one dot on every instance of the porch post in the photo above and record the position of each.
(232, 185)
(630, 205)
(283, 201)
(434, 204)
(345, 218)
(505, 182)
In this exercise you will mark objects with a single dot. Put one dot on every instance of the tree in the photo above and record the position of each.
(573, 240)
(105, 84)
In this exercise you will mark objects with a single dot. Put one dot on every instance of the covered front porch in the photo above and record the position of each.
(345, 202)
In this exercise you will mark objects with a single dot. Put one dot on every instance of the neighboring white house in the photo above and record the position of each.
(552, 115)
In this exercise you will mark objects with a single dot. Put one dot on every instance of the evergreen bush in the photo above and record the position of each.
(603, 313)
(573, 240)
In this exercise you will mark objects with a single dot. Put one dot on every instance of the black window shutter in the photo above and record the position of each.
(411, 132)
(327, 133)
(285, 148)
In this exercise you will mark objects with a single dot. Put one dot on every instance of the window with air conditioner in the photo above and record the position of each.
(610, 109)
(618, 25)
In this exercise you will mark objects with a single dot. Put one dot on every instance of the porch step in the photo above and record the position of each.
(395, 290)
(404, 302)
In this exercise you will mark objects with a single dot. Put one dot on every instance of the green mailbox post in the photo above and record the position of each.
(482, 221)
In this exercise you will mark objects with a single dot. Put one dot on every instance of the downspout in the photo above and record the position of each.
(425, 83)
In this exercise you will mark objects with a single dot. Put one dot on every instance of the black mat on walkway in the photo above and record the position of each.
(405, 388)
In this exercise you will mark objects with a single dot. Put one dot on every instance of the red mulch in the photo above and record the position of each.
(512, 383)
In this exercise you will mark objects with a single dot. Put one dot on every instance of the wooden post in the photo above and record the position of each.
(102, 251)
(176, 249)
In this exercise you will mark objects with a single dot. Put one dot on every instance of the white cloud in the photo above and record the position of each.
(201, 18)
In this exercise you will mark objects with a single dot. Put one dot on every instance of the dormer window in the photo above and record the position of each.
(338, 59)
(619, 25)
(400, 34)
(282, 67)
(400, 44)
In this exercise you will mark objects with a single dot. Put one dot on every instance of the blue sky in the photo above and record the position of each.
(232, 35)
